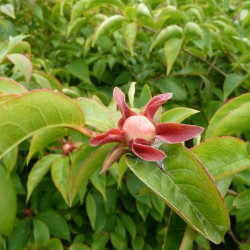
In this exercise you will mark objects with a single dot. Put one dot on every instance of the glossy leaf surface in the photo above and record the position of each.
(9, 86)
(8, 204)
(23, 116)
(97, 115)
(223, 156)
(187, 188)
(231, 118)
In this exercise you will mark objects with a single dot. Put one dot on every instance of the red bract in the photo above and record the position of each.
(139, 133)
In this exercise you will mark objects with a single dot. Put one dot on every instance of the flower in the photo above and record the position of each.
(138, 133)
(67, 146)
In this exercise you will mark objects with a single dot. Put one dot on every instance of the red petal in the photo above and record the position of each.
(113, 135)
(146, 152)
(155, 103)
(175, 132)
(113, 156)
(122, 106)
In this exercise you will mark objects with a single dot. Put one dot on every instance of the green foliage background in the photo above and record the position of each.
(198, 50)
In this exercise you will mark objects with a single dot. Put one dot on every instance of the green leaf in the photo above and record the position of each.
(28, 114)
(8, 204)
(177, 114)
(187, 188)
(87, 161)
(55, 244)
(10, 159)
(75, 25)
(233, 117)
(110, 24)
(59, 173)
(91, 209)
(138, 243)
(20, 236)
(172, 49)
(41, 139)
(99, 182)
(56, 223)
(79, 69)
(23, 64)
(193, 30)
(231, 82)
(9, 86)
(144, 97)
(172, 85)
(223, 156)
(39, 170)
(116, 3)
(97, 115)
(42, 81)
(129, 224)
(8, 9)
(175, 232)
(172, 31)
(41, 233)
(99, 68)
(53, 82)
(78, 9)
(129, 30)
(79, 246)
(242, 200)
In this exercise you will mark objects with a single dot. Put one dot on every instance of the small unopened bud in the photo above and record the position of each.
(139, 126)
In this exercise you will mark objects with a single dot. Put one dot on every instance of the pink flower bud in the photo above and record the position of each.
(138, 126)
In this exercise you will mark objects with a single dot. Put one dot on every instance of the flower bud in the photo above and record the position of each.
(139, 126)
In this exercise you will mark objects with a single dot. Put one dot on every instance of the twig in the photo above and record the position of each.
(231, 192)
(230, 232)
(207, 62)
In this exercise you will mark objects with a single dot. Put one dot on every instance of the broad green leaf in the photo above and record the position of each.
(99, 68)
(191, 30)
(79, 69)
(97, 115)
(9, 86)
(116, 3)
(111, 23)
(41, 233)
(56, 223)
(122, 168)
(129, 30)
(55, 244)
(78, 9)
(172, 85)
(8, 204)
(99, 182)
(187, 188)
(20, 236)
(175, 232)
(91, 209)
(172, 31)
(8, 9)
(223, 156)
(143, 11)
(42, 81)
(43, 138)
(177, 114)
(39, 170)
(233, 117)
(10, 159)
(138, 243)
(59, 173)
(23, 64)
(129, 224)
(28, 114)
(144, 97)
(87, 161)
(74, 25)
(172, 49)
(53, 82)
(79, 246)
(231, 82)
(242, 200)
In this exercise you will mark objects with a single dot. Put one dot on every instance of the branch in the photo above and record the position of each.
(207, 62)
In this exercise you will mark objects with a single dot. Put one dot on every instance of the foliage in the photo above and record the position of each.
(79, 51)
